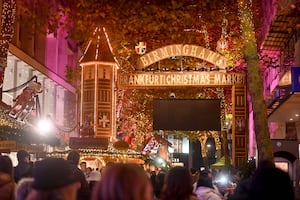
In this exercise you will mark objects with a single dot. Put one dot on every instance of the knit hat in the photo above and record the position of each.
(52, 173)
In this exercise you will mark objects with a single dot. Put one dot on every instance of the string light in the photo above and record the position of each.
(7, 30)
(222, 44)
(110, 152)
(246, 18)
(203, 30)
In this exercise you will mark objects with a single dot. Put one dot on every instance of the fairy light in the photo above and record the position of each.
(7, 31)
(6, 120)
(203, 30)
(247, 27)
(110, 152)
(222, 44)
(110, 47)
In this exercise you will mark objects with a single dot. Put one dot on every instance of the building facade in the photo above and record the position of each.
(279, 60)
(45, 59)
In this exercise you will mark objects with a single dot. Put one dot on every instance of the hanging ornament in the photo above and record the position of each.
(222, 44)
(140, 48)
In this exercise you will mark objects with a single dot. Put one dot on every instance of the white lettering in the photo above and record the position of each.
(188, 78)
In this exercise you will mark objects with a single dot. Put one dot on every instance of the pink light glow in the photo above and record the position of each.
(251, 136)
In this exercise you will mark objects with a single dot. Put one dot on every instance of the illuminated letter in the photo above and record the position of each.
(185, 50)
(144, 61)
(196, 79)
(211, 57)
(173, 79)
(155, 79)
(164, 53)
(178, 49)
(131, 80)
(168, 79)
(149, 58)
(201, 54)
(185, 80)
(155, 56)
(194, 51)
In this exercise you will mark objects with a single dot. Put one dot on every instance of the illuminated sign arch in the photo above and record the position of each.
(182, 50)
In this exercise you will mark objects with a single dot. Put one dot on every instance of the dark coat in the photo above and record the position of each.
(241, 192)
(84, 192)
(7, 187)
(271, 183)
(22, 170)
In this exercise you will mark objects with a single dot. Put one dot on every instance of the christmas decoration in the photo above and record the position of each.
(222, 44)
(25, 102)
(141, 48)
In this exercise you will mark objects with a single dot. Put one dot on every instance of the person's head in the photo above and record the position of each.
(74, 156)
(53, 179)
(178, 184)
(194, 174)
(269, 182)
(123, 182)
(23, 188)
(6, 165)
(88, 170)
(205, 179)
(159, 183)
(23, 156)
(83, 166)
(193, 171)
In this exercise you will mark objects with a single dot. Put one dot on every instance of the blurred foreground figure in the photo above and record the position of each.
(84, 192)
(123, 182)
(7, 183)
(178, 185)
(205, 189)
(53, 180)
(23, 188)
(24, 167)
(267, 182)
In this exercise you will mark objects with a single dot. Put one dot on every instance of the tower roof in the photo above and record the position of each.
(98, 48)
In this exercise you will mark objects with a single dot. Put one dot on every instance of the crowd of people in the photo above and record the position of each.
(67, 179)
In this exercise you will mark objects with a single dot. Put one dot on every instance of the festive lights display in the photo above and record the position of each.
(248, 34)
(135, 108)
(6, 120)
(7, 30)
(222, 44)
(110, 153)
(133, 112)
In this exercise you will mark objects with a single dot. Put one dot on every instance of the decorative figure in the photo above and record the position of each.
(157, 145)
(25, 101)
(222, 44)
(86, 130)
(129, 138)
